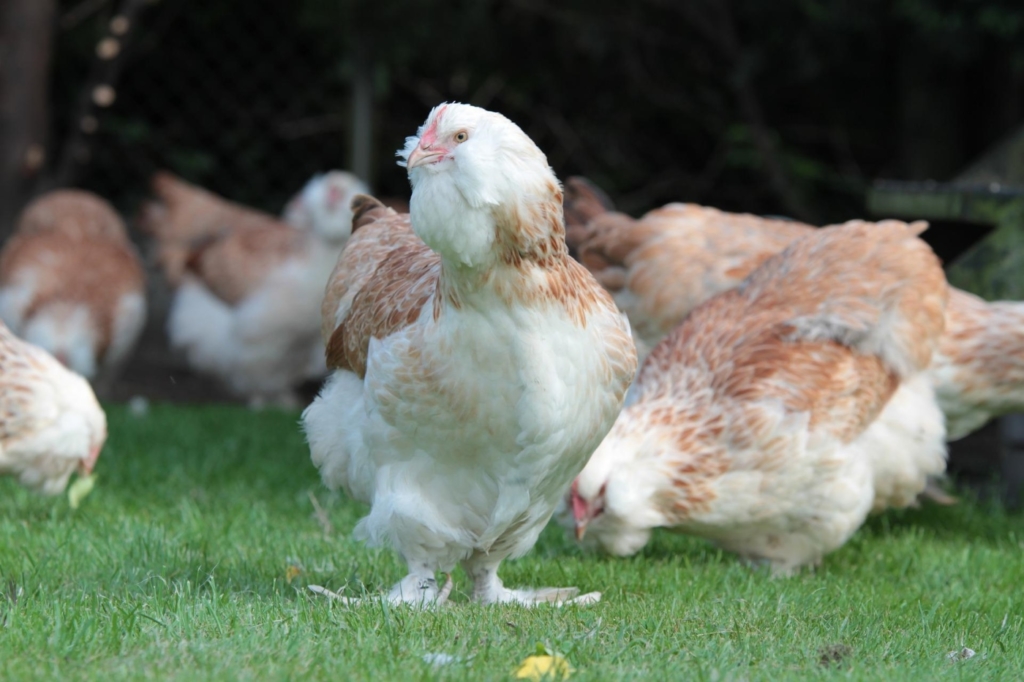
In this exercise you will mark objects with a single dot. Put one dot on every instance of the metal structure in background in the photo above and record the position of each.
(979, 232)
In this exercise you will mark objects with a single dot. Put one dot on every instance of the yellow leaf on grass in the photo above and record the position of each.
(82, 486)
(291, 573)
(537, 668)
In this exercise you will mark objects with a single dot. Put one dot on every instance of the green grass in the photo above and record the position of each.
(176, 567)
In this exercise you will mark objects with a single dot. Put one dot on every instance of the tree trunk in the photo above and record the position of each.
(26, 35)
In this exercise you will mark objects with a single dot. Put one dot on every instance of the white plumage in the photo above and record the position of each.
(246, 309)
(779, 413)
(50, 422)
(474, 380)
(264, 344)
(322, 206)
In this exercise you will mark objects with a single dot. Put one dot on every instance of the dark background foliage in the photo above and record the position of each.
(786, 107)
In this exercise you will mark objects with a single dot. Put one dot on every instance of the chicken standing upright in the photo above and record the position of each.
(477, 366)
(50, 422)
(246, 308)
(72, 283)
(781, 412)
(660, 267)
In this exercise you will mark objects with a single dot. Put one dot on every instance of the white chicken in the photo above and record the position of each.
(322, 206)
(477, 366)
(246, 308)
(72, 283)
(50, 422)
(780, 413)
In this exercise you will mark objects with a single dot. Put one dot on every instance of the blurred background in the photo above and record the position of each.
(791, 107)
(818, 110)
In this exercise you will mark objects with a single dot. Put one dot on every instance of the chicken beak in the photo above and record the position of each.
(422, 156)
(581, 529)
(580, 511)
(86, 465)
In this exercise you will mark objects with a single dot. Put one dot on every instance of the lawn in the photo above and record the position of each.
(190, 559)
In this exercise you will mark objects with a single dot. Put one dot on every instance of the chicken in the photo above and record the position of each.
(326, 197)
(660, 267)
(477, 366)
(246, 308)
(781, 412)
(50, 422)
(185, 216)
(323, 205)
(978, 370)
(72, 283)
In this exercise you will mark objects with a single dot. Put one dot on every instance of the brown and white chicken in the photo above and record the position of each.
(323, 206)
(50, 423)
(663, 265)
(184, 216)
(246, 307)
(660, 267)
(476, 365)
(72, 283)
(781, 412)
(978, 370)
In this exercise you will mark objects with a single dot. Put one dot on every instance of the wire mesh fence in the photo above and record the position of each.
(235, 95)
(245, 98)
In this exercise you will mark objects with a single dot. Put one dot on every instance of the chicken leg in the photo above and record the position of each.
(419, 589)
(488, 588)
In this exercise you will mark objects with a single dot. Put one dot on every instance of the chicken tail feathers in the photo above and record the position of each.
(366, 209)
(169, 187)
(582, 202)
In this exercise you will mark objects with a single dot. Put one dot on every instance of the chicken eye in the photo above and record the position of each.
(461, 136)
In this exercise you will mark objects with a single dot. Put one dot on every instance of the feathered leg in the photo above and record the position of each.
(419, 588)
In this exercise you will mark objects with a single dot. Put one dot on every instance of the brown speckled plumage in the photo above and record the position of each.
(185, 218)
(663, 265)
(234, 264)
(660, 267)
(762, 393)
(382, 281)
(387, 274)
(979, 367)
(50, 422)
(94, 274)
(71, 251)
(73, 213)
(21, 369)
